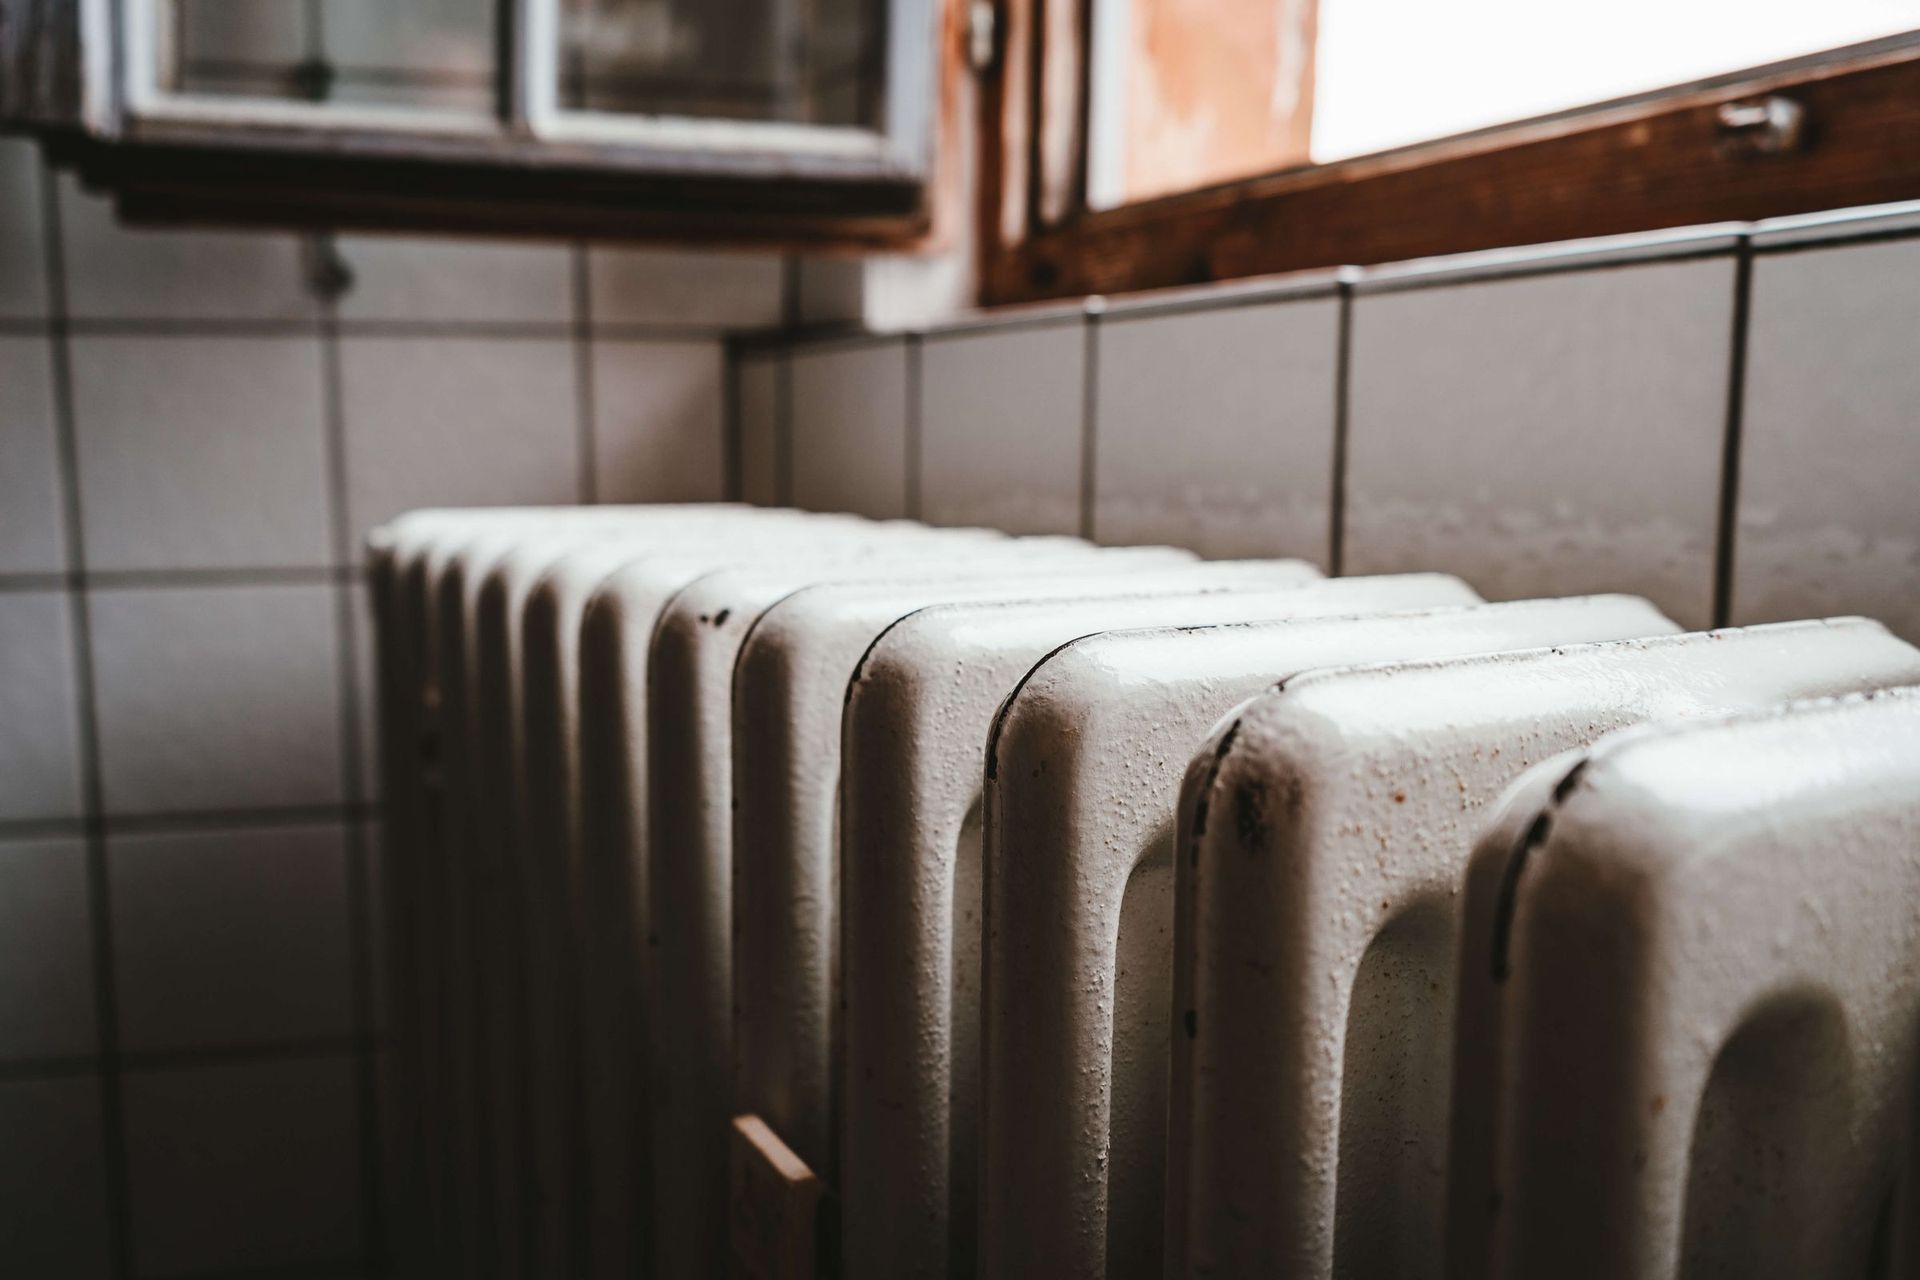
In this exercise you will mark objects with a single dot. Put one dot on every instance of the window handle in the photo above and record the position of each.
(1753, 127)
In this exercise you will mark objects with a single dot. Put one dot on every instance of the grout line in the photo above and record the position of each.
(130, 824)
(1089, 423)
(21, 830)
(55, 1066)
(52, 1068)
(219, 1055)
(346, 660)
(1728, 526)
(913, 426)
(330, 1269)
(585, 407)
(280, 327)
(113, 1129)
(1342, 402)
(111, 579)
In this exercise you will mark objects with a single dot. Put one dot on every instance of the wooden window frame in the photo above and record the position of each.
(1666, 159)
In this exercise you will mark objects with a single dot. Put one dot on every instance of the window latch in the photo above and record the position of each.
(1753, 127)
(983, 21)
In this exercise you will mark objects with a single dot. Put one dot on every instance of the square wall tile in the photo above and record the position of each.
(849, 429)
(723, 289)
(116, 272)
(759, 406)
(23, 262)
(216, 697)
(226, 938)
(39, 717)
(53, 1179)
(1829, 520)
(1214, 429)
(657, 421)
(457, 281)
(201, 452)
(1002, 424)
(32, 533)
(46, 951)
(457, 422)
(1545, 435)
(244, 1165)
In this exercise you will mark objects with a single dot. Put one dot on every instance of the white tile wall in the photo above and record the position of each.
(23, 266)
(217, 697)
(1002, 417)
(230, 937)
(207, 421)
(242, 1165)
(1829, 515)
(446, 421)
(118, 273)
(1215, 429)
(201, 452)
(759, 410)
(657, 421)
(849, 417)
(46, 951)
(32, 539)
(53, 1180)
(456, 281)
(1552, 434)
(39, 720)
(653, 286)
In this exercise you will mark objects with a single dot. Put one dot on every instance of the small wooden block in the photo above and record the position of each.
(776, 1201)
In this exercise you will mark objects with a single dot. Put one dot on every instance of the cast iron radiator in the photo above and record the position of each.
(779, 894)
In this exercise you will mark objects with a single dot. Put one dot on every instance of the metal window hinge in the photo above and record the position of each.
(1769, 126)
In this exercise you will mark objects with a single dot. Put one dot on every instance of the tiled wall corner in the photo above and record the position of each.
(1002, 418)
(1215, 428)
(197, 434)
(1829, 517)
(849, 428)
(1551, 433)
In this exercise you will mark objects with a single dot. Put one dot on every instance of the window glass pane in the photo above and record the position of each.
(806, 61)
(436, 54)
(1191, 92)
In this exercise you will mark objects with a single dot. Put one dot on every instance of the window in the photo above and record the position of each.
(1137, 143)
(790, 121)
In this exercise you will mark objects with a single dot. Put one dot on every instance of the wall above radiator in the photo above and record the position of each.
(1720, 418)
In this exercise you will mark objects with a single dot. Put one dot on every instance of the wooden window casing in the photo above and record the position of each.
(1668, 159)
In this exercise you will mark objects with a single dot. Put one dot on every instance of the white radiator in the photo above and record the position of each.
(789, 895)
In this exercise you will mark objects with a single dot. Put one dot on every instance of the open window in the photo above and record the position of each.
(1142, 143)
(769, 120)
